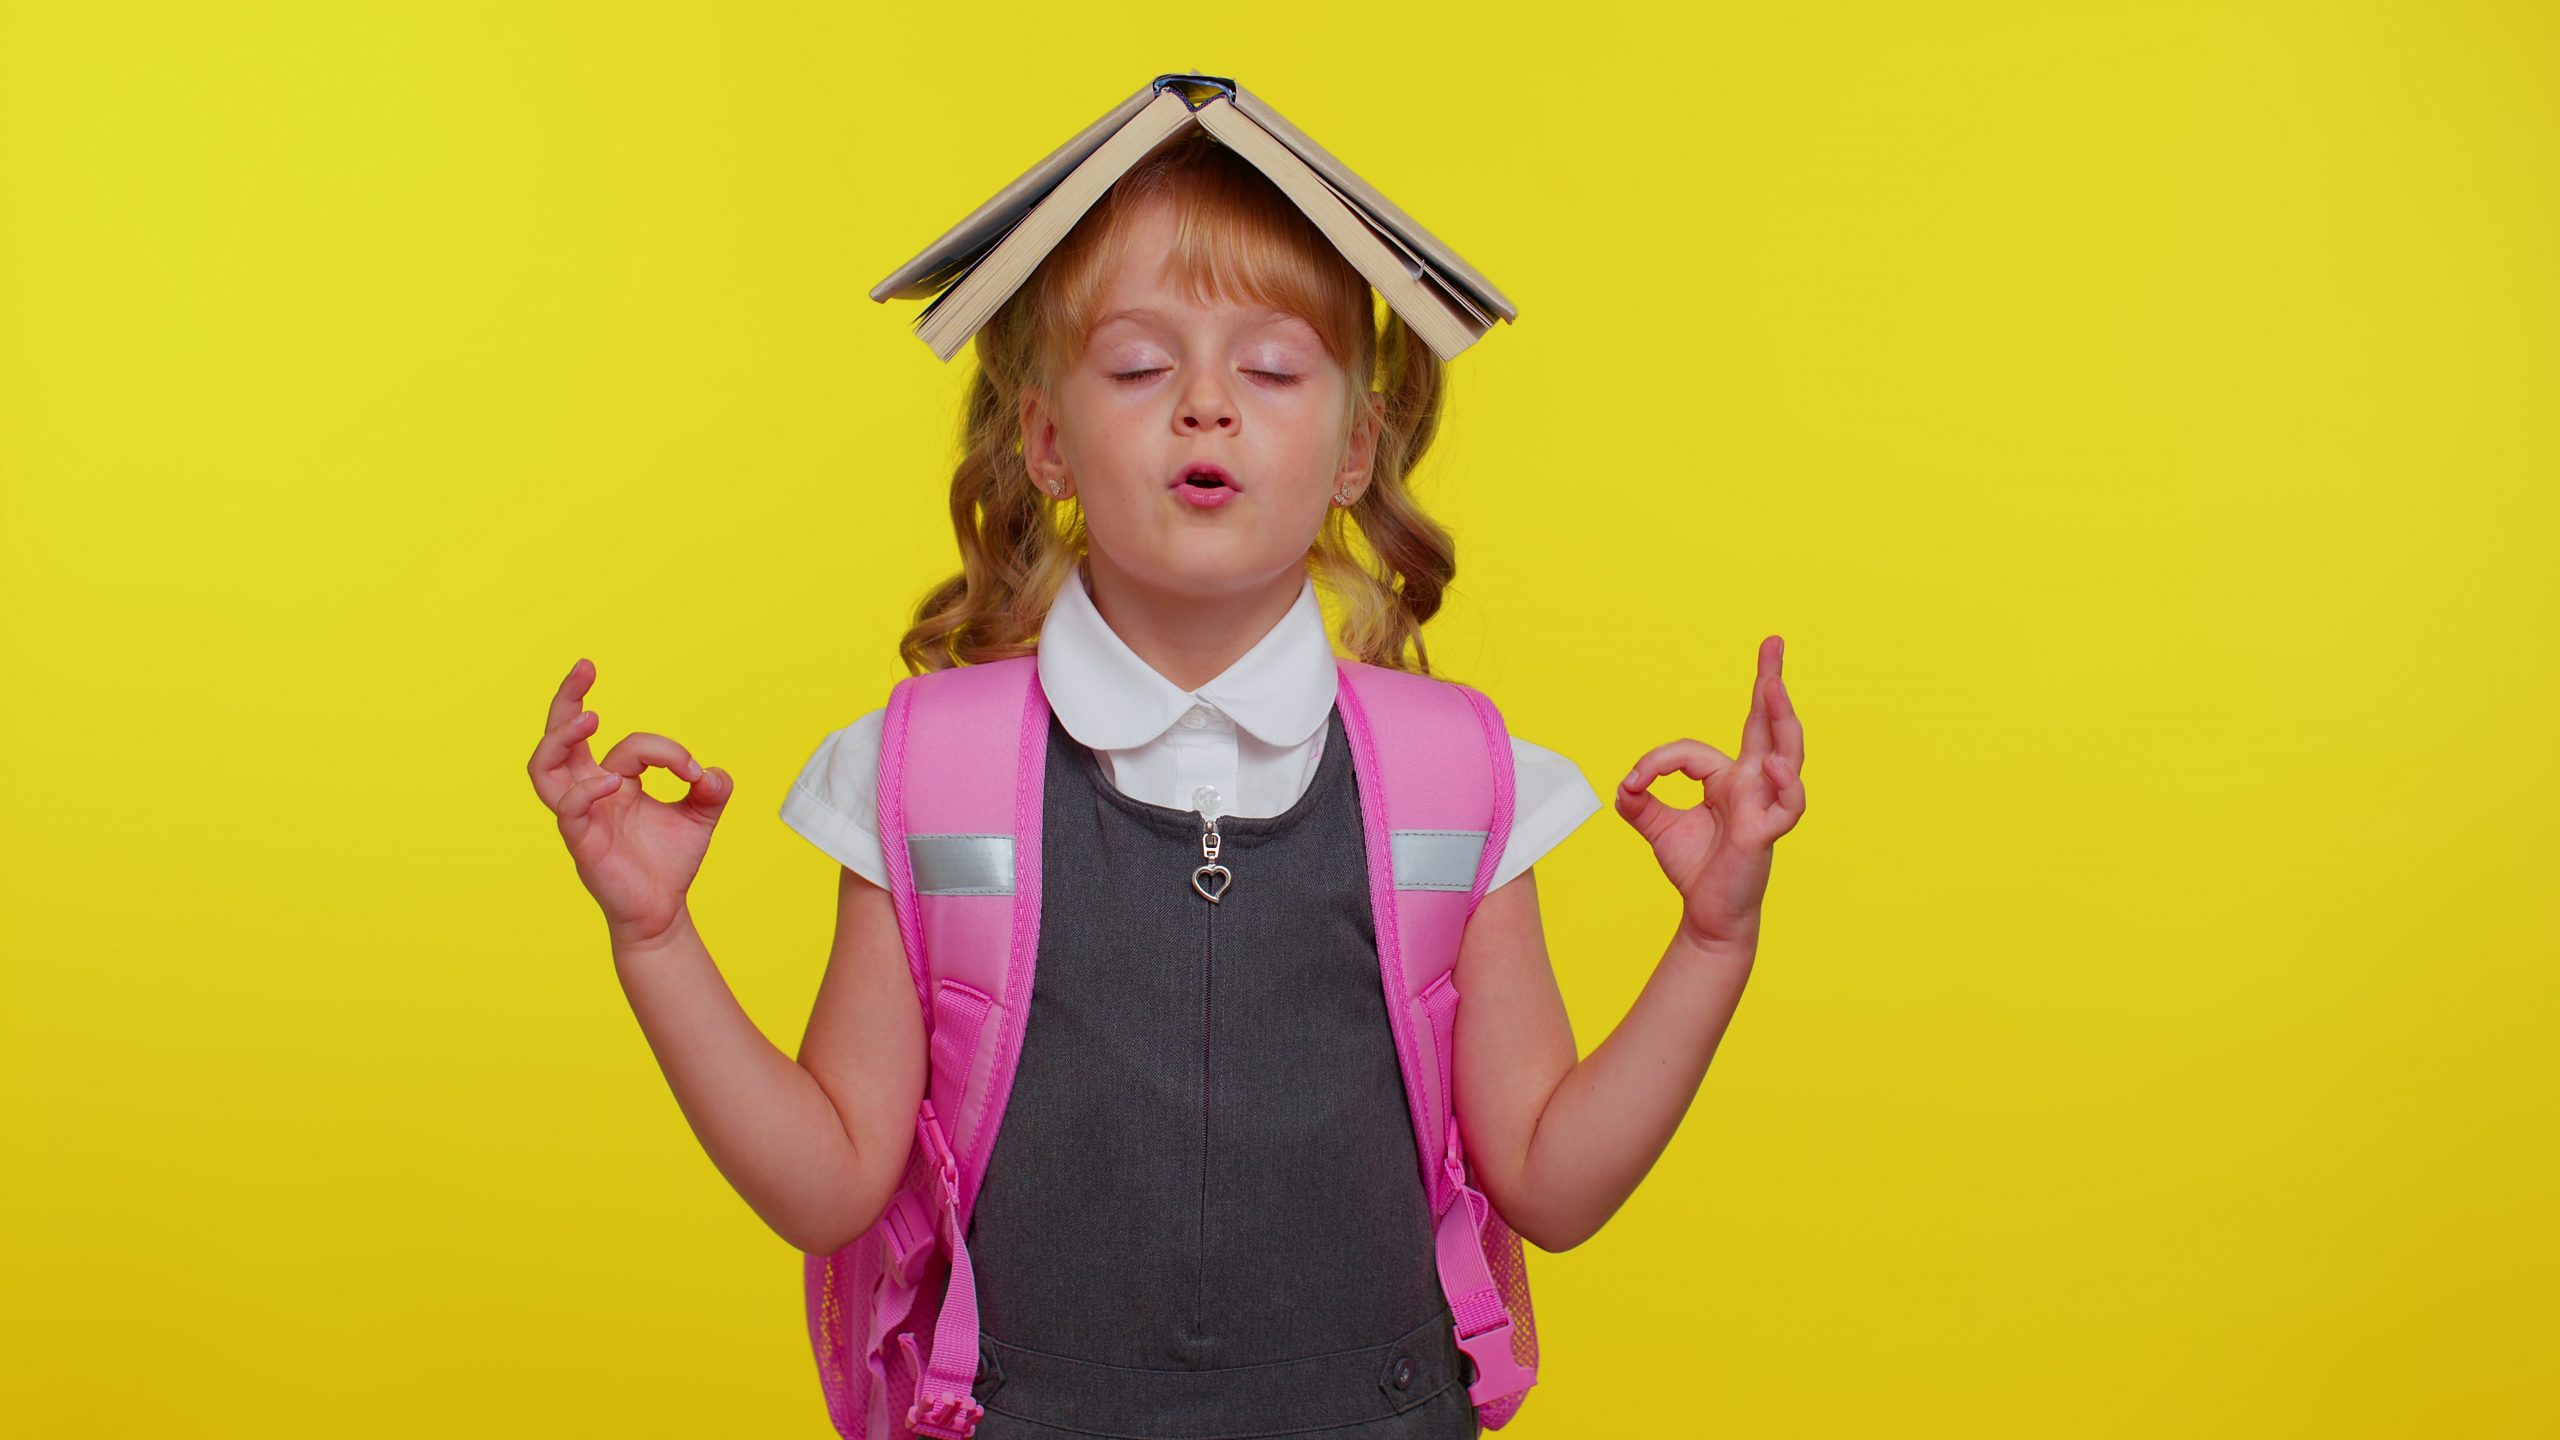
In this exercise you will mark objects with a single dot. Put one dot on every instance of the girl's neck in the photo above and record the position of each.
(1188, 639)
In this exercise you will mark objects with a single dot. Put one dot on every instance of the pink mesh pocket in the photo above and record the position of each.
(1510, 1267)
(840, 1287)
(863, 1367)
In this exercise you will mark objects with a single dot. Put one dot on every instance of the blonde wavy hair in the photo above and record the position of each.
(1385, 562)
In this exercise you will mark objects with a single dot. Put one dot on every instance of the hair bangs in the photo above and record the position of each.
(1237, 238)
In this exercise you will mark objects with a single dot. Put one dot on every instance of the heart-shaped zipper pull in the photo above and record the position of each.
(1209, 845)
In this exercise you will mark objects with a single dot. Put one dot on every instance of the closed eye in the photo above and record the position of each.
(1277, 377)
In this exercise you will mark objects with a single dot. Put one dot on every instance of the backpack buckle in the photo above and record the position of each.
(937, 1150)
(909, 1232)
(1492, 1370)
(1481, 1321)
(948, 1417)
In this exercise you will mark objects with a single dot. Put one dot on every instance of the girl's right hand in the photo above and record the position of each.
(636, 855)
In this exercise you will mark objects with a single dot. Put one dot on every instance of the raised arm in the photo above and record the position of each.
(814, 1147)
(1559, 1144)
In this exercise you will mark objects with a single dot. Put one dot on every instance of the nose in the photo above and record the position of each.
(1206, 406)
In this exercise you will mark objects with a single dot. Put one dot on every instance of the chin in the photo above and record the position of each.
(1211, 570)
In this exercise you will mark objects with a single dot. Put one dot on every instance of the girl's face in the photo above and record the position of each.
(1164, 387)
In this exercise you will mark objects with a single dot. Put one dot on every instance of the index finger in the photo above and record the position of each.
(1694, 758)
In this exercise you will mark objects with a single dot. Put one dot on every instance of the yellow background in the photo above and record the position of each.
(2137, 419)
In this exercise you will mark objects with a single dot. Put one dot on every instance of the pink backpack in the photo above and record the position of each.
(893, 1316)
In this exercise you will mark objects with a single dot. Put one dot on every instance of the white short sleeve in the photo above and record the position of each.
(835, 804)
(1550, 800)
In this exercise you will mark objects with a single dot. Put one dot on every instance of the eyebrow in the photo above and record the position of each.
(1128, 315)
(1148, 313)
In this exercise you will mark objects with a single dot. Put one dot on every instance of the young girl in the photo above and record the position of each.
(1194, 324)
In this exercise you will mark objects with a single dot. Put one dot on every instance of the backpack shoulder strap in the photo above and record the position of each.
(1434, 767)
(963, 760)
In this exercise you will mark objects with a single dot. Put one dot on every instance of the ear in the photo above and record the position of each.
(1360, 447)
(1040, 454)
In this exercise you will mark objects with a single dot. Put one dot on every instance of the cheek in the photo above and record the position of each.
(1093, 432)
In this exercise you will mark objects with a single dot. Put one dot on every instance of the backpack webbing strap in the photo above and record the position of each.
(943, 1406)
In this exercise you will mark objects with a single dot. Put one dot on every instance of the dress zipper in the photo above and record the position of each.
(1209, 867)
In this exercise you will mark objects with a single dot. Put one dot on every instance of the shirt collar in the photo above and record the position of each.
(1109, 699)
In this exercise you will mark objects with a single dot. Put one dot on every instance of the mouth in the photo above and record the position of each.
(1204, 486)
(1201, 475)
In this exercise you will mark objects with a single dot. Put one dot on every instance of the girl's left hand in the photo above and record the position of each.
(1717, 851)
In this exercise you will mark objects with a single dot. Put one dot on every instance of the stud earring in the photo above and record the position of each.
(1057, 488)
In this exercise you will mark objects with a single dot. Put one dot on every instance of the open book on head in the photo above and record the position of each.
(979, 263)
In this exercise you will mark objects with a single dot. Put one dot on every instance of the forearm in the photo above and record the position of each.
(765, 1122)
(1615, 1112)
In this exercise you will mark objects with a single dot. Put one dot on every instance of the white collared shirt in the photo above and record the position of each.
(1247, 743)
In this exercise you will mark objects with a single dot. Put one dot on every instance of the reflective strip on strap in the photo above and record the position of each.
(1436, 859)
(961, 864)
(983, 864)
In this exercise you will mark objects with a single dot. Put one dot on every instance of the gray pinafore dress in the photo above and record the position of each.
(1203, 1216)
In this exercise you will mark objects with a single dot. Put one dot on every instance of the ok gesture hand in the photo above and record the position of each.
(636, 855)
(1717, 851)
